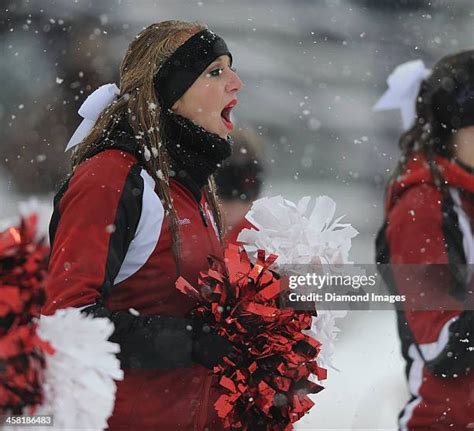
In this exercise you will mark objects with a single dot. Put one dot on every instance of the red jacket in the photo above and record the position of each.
(434, 231)
(111, 245)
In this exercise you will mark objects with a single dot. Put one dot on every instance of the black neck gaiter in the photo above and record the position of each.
(194, 152)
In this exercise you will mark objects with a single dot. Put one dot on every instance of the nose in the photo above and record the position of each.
(234, 84)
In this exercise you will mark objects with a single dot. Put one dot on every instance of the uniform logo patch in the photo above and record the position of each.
(184, 221)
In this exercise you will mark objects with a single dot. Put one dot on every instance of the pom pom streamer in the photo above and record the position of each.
(266, 380)
(22, 270)
(79, 389)
(61, 365)
(298, 235)
(324, 329)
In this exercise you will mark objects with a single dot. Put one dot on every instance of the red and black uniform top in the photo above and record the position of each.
(427, 240)
(111, 253)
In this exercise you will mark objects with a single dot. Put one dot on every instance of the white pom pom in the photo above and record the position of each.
(324, 329)
(79, 386)
(298, 236)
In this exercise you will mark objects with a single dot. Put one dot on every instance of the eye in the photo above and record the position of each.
(216, 72)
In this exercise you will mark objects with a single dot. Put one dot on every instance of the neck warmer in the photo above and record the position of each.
(195, 152)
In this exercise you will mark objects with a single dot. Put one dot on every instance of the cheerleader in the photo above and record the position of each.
(427, 239)
(139, 210)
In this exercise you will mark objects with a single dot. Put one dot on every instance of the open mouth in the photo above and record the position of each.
(225, 114)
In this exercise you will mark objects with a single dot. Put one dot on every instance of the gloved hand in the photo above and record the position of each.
(208, 347)
(161, 342)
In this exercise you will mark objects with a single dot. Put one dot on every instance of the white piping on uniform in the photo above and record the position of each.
(415, 376)
(148, 231)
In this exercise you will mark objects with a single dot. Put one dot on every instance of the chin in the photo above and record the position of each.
(222, 133)
(217, 131)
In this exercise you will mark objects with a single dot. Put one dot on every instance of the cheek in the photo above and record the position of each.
(198, 100)
(203, 105)
(211, 98)
(209, 106)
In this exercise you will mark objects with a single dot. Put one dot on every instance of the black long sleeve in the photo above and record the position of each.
(149, 341)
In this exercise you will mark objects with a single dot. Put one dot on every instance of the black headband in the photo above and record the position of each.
(185, 65)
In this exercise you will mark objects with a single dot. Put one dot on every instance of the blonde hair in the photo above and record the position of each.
(138, 103)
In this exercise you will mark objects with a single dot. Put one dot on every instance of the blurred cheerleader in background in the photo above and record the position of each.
(427, 239)
(240, 180)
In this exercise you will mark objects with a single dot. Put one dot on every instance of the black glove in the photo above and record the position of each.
(160, 342)
(209, 348)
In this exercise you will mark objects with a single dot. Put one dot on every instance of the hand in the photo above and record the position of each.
(209, 348)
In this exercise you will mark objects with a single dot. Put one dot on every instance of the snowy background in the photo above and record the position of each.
(312, 71)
